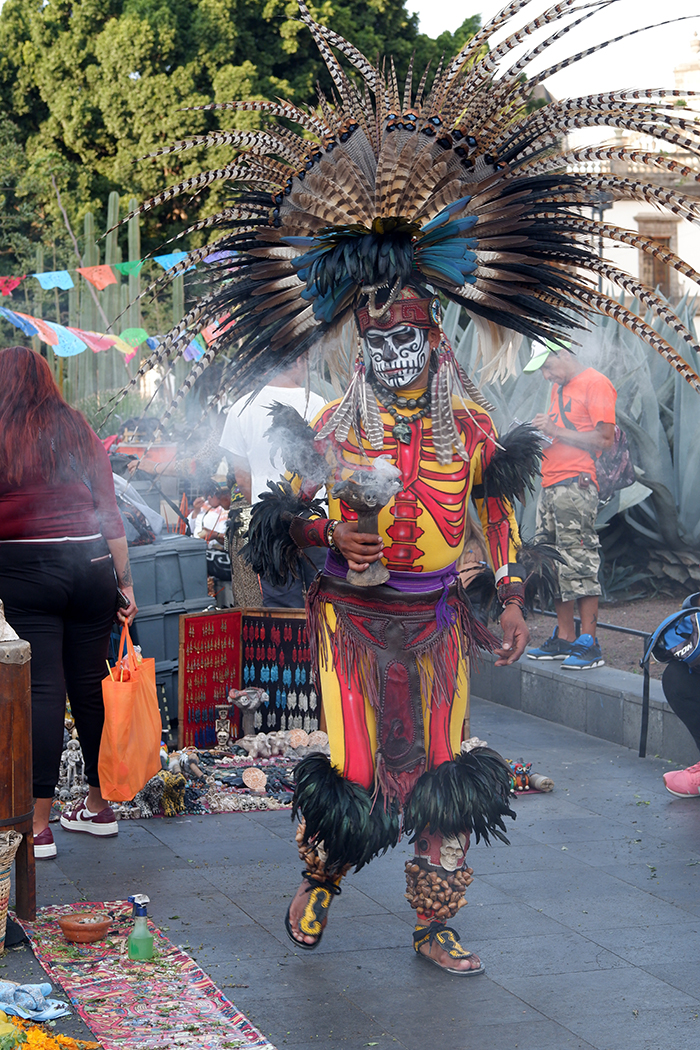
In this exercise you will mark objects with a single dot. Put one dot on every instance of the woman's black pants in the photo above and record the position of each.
(682, 690)
(61, 598)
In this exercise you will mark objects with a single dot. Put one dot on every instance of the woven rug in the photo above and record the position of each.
(157, 1005)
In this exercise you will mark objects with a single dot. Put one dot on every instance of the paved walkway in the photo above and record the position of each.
(588, 923)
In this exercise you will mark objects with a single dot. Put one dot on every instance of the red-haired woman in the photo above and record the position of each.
(62, 554)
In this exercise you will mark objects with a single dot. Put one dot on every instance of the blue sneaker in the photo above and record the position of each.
(585, 654)
(555, 648)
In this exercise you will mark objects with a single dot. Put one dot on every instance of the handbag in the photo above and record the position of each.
(130, 744)
(613, 468)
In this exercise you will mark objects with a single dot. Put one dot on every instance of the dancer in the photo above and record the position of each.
(452, 188)
(392, 659)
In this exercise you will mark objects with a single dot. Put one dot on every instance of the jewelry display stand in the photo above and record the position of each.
(241, 649)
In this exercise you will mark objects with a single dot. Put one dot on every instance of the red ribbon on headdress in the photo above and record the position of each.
(409, 308)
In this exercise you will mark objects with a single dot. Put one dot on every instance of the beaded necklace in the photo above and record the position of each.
(402, 429)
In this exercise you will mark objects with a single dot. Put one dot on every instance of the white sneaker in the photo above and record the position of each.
(81, 819)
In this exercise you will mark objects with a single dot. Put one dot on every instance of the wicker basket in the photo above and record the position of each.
(9, 844)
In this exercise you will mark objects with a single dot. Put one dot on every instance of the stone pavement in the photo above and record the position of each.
(588, 923)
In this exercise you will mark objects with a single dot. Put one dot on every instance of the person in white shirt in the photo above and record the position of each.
(245, 441)
(212, 524)
(244, 436)
(199, 509)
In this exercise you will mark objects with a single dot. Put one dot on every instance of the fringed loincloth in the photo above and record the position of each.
(403, 650)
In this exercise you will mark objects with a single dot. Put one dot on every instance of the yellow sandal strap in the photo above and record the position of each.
(317, 905)
(447, 938)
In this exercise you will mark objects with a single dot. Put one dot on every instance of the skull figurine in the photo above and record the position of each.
(447, 852)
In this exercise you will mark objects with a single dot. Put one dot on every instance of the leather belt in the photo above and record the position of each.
(333, 585)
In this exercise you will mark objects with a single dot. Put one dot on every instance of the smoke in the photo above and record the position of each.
(299, 456)
(292, 437)
(371, 486)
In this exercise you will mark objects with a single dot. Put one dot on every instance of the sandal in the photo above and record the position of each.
(448, 940)
(311, 922)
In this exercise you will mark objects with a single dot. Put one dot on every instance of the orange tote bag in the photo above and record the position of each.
(130, 745)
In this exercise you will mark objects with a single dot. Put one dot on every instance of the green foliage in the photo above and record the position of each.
(19, 218)
(90, 86)
(93, 408)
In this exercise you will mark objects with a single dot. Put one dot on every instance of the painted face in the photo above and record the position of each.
(398, 354)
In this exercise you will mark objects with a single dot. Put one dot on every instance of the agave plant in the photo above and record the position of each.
(660, 414)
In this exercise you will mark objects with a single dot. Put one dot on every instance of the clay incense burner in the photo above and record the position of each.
(366, 492)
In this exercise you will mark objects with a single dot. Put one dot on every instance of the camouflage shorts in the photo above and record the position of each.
(566, 517)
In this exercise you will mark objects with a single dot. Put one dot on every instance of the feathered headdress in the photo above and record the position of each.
(457, 190)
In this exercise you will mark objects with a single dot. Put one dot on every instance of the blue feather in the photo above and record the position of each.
(450, 273)
(446, 214)
(452, 229)
(299, 242)
(325, 306)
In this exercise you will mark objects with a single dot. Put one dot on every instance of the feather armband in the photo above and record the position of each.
(514, 467)
(270, 550)
(539, 570)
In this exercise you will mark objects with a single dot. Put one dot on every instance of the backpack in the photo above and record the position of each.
(613, 468)
(678, 637)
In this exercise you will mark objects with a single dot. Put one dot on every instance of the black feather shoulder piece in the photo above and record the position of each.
(270, 550)
(353, 826)
(469, 794)
(513, 468)
(295, 440)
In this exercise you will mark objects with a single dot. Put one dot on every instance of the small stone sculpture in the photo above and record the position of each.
(248, 700)
(223, 726)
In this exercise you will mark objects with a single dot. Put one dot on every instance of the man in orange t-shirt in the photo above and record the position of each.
(580, 423)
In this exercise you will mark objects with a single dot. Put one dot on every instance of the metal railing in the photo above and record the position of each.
(645, 636)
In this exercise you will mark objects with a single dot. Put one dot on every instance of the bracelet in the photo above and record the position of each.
(512, 593)
(330, 530)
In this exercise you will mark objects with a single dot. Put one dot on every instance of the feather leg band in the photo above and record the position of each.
(469, 794)
(351, 824)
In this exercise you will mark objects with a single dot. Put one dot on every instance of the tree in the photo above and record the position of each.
(90, 86)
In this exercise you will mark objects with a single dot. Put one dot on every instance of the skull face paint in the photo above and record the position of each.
(398, 354)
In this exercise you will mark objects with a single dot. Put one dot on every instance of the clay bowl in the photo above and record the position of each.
(85, 928)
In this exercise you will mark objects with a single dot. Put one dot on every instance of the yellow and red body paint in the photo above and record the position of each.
(423, 529)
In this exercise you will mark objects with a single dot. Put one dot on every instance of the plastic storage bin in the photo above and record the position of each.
(158, 626)
(166, 682)
(172, 570)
